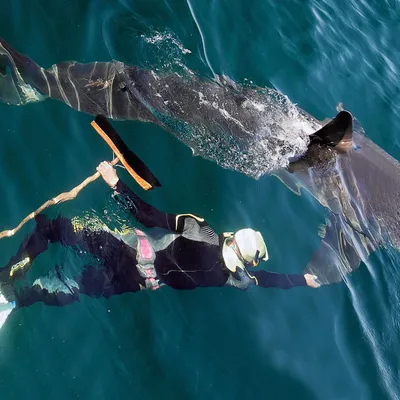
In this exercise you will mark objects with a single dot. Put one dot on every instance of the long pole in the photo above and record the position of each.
(55, 200)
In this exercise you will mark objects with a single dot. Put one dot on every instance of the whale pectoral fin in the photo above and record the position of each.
(337, 133)
(336, 257)
(328, 266)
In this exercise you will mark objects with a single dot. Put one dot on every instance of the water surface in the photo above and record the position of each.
(339, 342)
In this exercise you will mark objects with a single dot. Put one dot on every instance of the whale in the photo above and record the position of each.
(243, 128)
(240, 127)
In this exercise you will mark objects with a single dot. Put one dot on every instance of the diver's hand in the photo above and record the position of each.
(108, 173)
(311, 281)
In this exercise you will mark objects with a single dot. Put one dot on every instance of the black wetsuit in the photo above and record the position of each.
(191, 257)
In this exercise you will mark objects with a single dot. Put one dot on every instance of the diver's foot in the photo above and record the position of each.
(19, 266)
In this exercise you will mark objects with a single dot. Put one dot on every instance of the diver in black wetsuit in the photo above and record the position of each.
(190, 254)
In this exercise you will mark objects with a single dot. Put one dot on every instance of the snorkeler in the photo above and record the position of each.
(187, 255)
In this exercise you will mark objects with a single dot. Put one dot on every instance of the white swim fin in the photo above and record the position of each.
(5, 309)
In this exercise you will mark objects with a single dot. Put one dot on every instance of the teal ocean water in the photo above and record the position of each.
(338, 342)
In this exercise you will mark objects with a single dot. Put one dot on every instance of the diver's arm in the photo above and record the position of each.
(151, 217)
(282, 281)
(148, 215)
(145, 213)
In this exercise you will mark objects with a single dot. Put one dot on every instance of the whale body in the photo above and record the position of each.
(249, 129)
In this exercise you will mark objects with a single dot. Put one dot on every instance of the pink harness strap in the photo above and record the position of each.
(145, 248)
(145, 258)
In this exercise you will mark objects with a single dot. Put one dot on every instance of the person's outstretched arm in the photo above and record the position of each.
(145, 213)
(284, 281)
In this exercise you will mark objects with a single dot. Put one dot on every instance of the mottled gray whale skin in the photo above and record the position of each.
(345, 171)
(216, 118)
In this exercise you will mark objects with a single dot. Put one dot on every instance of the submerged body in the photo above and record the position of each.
(240, 128)
(186, 254)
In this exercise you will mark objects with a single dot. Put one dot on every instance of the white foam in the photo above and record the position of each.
(228, 116)
(158, 37)
(155, 76)
(258, 106)
(281, 132)
(202, 101)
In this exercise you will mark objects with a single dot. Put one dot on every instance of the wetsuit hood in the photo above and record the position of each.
(246, 246)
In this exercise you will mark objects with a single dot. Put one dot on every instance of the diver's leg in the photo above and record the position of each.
(46, 231)
(119, 266)
(56, 289)
(117, 275)
(101, 244)
(53, 289)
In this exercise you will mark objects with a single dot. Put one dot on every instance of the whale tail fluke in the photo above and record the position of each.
(21, 80)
